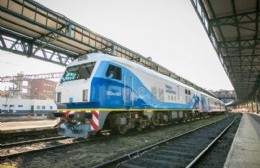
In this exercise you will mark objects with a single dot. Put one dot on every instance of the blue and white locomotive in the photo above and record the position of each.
(100, 91)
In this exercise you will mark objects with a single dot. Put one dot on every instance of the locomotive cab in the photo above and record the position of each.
(73, 95)
(75, 83)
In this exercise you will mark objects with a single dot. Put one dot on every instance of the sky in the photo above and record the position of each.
(168, 31)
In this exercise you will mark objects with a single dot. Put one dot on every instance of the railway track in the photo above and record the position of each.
(184, 150)
(20, 148)
(26, 136)
(12, 150)
(10, 145)
(15, 149)
(103, 147)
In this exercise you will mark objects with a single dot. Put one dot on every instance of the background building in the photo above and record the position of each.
(41, 89)
(30, 86)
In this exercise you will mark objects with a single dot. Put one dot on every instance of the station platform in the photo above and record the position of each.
(26, 126)
(245, 149)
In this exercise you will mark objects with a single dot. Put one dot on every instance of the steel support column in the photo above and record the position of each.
(257, 101)
(258, 105)
(252, 106)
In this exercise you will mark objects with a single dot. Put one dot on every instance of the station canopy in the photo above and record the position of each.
(233, 29)
(29, 28)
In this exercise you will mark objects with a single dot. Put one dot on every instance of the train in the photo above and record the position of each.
(21, 106)
(99, 92)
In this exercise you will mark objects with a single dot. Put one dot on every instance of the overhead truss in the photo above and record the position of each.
(28, 77)
(39, 32)
(25, 46)
(232, 27)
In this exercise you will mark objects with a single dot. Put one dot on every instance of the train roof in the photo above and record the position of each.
(105, 57)
(127, 63)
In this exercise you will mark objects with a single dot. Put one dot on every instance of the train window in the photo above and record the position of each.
(51, 107)
(154, 93)
(20, 105)
(11, 105)
(187, 92)
(78, 72)
(85, 95)
(58, 98)
(178, 93)
(114, 72)
(85, 70)
(43, 107)
(161, 94)
(186, 98)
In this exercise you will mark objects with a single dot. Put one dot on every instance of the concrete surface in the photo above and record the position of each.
(23, 126)
(245, 150)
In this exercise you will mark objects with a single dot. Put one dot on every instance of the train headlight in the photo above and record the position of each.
(85, 95)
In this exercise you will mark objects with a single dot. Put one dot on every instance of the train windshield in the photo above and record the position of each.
(78, 72)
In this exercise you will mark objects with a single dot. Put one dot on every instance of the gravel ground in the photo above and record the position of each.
(181, 151)
(25, 136)
(216, 157)
(34, 146)
(93, 153)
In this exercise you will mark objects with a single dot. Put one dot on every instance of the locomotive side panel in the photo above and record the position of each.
(122, 95)
(166, 92)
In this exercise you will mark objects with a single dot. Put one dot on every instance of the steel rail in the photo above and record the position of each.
(139, 152)
(195, 160)
(2, 157)
(39, 150)
(8, 145)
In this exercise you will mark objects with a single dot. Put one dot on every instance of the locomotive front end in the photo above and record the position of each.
(76, 117)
